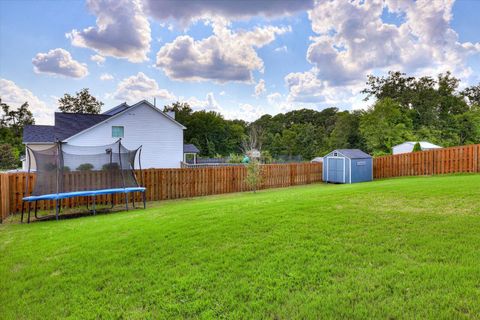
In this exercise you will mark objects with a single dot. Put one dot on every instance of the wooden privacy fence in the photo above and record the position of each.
(437, 161)
(164, 184)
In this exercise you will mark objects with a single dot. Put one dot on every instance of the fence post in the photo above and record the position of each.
(4, 196)
(475, 157)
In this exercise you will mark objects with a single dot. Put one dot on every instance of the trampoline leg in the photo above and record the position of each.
(23, 208)
(56, 209)
(94, 205)
(36, 209)
(144, 200)
(28, 219)
(133, 200)
(126, 201)
(113, 201)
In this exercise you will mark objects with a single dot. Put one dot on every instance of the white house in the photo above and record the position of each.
(141, 124)
(408, 146)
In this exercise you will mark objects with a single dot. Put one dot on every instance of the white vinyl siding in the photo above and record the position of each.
(161, 139)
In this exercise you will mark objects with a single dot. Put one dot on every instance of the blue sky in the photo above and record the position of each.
(240, 58)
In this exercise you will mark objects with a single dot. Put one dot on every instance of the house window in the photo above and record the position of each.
(117, 131)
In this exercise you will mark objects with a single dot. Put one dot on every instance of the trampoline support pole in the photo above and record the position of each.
(36, 217)
(94, 205)
(144, 200)
(126, 201)
(56, 209)
(23, 208)
(28, 219)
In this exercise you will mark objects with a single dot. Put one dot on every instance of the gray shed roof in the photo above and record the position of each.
(352, 153)
(190, 148)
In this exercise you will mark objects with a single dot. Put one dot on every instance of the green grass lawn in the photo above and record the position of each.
(398, 248)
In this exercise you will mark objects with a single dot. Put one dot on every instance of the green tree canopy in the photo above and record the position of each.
(82, 102)
(385, 125)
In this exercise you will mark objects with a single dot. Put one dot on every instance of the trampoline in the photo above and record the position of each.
(66, 171)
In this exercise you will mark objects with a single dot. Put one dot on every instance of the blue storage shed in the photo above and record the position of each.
(347, 166)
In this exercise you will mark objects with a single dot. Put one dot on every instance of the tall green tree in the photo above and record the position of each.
(81, 102)
(8, 158)
(385, 125)
(12, 122)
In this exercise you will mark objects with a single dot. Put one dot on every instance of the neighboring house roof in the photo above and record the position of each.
(129, 109)
(38, 133)
(68, 125)
(317, 159)
(190, 148)
(423, 144)
(117, 109)
(352, 153)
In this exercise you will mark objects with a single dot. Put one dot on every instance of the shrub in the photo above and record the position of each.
(266, 157)
(66, 169)
(110, 166)
(254, 174)
(417, 147)
(85, 167)
(235, 158)
(50, 166)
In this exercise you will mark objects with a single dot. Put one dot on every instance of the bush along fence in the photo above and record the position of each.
(164, 184)
(436, 161)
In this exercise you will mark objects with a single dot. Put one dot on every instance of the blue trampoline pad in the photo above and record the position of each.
(65, 195)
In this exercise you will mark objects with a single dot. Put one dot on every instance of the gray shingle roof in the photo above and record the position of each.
(190, 148)
(37, 133)
(353, 153)
(68, 124)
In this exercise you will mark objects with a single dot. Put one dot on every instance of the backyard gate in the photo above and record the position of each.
(347, 166)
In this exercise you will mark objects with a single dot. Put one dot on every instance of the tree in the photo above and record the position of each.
(384, 126)
(208, 130)
(12, 123)
(16, 119)
(183, 112)
(8, 159)
(254, 174)
(254, 169)
(472, 94)
(346, 132)
(82, 102)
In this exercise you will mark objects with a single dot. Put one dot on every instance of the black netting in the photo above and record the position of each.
(68, 168)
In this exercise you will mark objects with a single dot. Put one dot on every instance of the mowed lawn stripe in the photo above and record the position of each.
(398, 248)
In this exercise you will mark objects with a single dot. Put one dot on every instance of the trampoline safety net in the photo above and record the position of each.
(67, 168)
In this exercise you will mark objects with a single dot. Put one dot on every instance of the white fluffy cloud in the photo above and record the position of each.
(260, 88)
(207, 9)
(209, 104)
(59, 62)
(122, 30)
(354, 41)
(246, 111)
(15, 96)
(224, 56)
(106, 77)
(139, 87)
(98, 59)
(274, 98)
